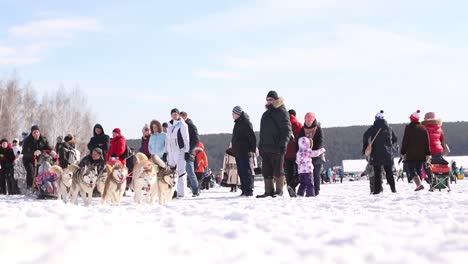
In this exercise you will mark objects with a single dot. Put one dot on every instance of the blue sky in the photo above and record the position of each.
(342, 59)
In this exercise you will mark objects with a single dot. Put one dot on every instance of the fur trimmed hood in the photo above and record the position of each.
(432, 122)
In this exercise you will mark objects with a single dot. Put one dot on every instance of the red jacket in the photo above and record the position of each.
(292, 146)
(117, 148)
(201, 158)
(436, 136)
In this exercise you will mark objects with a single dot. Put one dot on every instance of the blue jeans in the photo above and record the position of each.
(192, 177)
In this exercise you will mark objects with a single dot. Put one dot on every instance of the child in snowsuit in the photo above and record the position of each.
(305, 166)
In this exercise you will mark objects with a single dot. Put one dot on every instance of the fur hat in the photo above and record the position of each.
(380, 115)
(309, 117)
(430, 116)
(15, 140)
(415, 116)
(237, 110)
(273, 94)
(34, 128)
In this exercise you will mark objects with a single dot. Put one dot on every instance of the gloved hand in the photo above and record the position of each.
(37, 153)
(164, 157)
(188, 156)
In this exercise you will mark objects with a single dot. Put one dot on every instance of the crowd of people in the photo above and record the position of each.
(292, 152)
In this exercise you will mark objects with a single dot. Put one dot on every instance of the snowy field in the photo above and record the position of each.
(343, 225)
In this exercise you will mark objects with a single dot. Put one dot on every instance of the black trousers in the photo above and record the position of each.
(292, 178)
(30, 172)
(378, 178)
(317, 178)
(245, 173)
(8, 183)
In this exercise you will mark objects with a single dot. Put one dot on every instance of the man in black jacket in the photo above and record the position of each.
(190, 158)
(99, 140)
(33, 145)
(275, 133)
(244, 145)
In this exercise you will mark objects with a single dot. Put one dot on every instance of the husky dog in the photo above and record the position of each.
(144, 177)
(101, 181)
(84, 182)
(166, 183)
(65, 181)
(115, 184)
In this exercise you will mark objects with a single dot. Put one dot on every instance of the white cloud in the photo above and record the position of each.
(55, 28)
(261, 14)
(29, 43)
(353, 46)
(216, 74)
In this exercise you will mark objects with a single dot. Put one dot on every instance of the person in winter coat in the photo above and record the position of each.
(67, 152)
(229, 170)
(244, 146)
(94, 159)
(117, 148)
(275, 133)
(290, 158)
(201, 168)
(99, 140)
(158, 139)
(436, 138)
(415, 149)
(382, 151)
(7, 158)
(144, 146)
(313, 130)
(178, 149)
(193, 142)
(33, 145)
(17, 149)
(306, 167)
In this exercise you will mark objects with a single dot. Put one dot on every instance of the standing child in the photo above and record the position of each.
(305, 166)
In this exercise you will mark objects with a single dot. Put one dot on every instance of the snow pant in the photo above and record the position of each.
(177, 159)
(30, 172)
(317, 177)
(8, 183)
(306, 181)
(245, 174)
(192, 177)
(292, 178)
(378, 178)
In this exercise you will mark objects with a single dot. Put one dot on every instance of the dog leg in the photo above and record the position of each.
(75, 197)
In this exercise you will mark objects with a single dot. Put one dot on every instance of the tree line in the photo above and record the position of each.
(57, 113)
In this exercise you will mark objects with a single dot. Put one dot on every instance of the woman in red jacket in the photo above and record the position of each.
(436, 138)
(201, 160)
(117, 148)
(292, 178)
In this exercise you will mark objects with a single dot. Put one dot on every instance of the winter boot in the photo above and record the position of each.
(419, 186)
(292, 192)
(279, 185)
(269, 188)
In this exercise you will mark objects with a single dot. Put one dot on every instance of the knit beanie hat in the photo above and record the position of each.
(117, 130)
(237, 110)
(309, 117)
(175, 110)
(415, 116)
(292, 112)
(34, 128)
(273, 94)
(380, 115)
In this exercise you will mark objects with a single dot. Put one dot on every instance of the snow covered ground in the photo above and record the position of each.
(343, 225)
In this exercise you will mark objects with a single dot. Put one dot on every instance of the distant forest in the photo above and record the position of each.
(341, 143)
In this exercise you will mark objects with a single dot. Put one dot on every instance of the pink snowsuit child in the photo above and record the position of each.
(305, 166)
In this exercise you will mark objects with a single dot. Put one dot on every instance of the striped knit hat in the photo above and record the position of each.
(237, 110)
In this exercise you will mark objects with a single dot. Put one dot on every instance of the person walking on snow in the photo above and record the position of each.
(275, 133)
(194, 138)
(313, 130)
(178, 149)
(244, 146)
(382, 151)
(33, 145)
(7, 159)
(292, 178)
(415, 149)
(306, 166)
